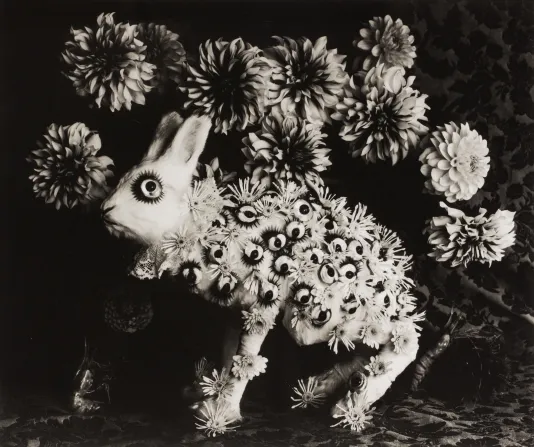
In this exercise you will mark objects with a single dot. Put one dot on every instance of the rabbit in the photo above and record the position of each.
(330, 271)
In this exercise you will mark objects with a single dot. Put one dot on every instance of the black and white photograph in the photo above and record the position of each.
(267, 223)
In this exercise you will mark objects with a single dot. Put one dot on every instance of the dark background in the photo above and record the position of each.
(58, 264)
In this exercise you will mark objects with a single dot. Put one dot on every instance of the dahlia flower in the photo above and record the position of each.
(353, 412)
(382, 118)
(285, 148)
(67, 168)
(404, 338)
(306, 394)
(306, 78)
(461, 239)
(215, 418)
(165, 51)
(108, 64)
(248, 366)
(455, 162)
(227, 84)
(388, 42)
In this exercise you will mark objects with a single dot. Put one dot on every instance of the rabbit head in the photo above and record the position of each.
(149, 200)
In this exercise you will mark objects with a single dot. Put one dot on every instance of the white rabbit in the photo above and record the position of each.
(334, 274)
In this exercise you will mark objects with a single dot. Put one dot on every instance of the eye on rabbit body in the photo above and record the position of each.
(333, 272)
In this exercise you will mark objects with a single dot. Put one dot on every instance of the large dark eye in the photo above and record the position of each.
(147, 188)
(357, 381)
(295, 230)
(191, 273)
(356, 248)
(339, 245)
(322, 317)
(348, 272)
(303, 210)
(315, 255)
(216, 252)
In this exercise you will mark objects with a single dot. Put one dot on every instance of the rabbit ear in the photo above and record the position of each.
(165, 133)
(190, 139)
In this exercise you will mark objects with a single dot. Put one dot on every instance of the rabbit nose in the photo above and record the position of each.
(106, 210)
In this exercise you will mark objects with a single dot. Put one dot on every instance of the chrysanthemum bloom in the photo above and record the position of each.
(286, 149)
(165, 51)
(67, 169)
(382, 118)
(353, 412)
(389, 42)
(108, 64)
(248, 366)
(306, 79)
(212, 169)
(455, 162)
(377, 366)
(306, 394)
(227, 84)
(461, 239)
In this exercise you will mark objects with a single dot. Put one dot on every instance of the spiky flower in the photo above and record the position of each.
(109, 64)
(67, 169)
(165, 51)
(286, 148)
(227, 84)
(218, 385)
(353, 412)
(248, 366)
(460, 239)
(388, 42)
(382, 115)
(306, 394)
(215, 418)
(455, 162)
(306, 78)
(337, 335)
(213, 170)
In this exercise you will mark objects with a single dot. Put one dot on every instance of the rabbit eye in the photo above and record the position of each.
(328, 274)
(147, 187)
(322, 317)
(303, 295)
(219, 222)
(303, 210)
(253, 253)
(275, 240)
(247, 215)
(348, 272)
(357, 381)
(216, 252)
(339, 245)
(268, 294)
(226, 284)
(295, 230)
(356, 247)
(282, 265)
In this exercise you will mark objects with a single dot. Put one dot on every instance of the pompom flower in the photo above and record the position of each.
(377, 366)
(372, 334)
(404, 338)
(306, 78)
(215, 418)
(306, 394)
(461, 239)
(218, 385)
(246, 367)
(353, 412)
(388, 42)
(455, 162)
(286, 148)
(108, 64)
(67, 169)
(382, 118)
(257, 321)
(227, 84)
(165, 52)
